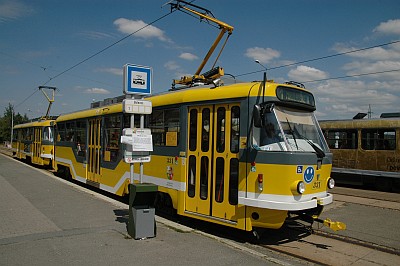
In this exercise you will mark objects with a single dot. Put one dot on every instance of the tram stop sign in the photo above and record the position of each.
(137, 80)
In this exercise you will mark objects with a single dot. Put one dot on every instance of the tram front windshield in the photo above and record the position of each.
(285, 129)
(48, 134)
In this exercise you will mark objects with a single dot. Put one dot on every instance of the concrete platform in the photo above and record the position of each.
(45, 220)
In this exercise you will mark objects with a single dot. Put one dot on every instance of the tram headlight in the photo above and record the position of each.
(301, 187)
(331, 183)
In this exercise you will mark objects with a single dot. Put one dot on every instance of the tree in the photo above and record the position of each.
(6, 120)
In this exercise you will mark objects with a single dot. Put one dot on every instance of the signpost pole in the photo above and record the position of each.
(141, 164)
(132, 164)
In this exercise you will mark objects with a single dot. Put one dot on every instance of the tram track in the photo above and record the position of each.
(322, 248)
(318, 245)
(368, 194)
(358, 242)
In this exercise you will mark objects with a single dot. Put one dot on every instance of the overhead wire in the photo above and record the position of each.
(26, 61)
(352, 76)
(27, 98)
(106, 48)
(319, 58)
(91, 56)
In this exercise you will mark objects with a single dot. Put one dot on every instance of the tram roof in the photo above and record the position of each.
(188, 95)
(361, 123)
(38, 123)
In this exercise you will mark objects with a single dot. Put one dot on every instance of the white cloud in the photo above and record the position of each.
(96, 91)
(389, 27)
(264, 55)
(11, 10)
(305, 73)
(343, 98)
(390, 52)
(365, 67)
(171, 65)
(111, 70)
(95, 35)
(141, 29)
(188, 56)
(384, 59)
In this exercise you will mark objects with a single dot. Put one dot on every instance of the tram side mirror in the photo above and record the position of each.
(259, 111)
(257, 115)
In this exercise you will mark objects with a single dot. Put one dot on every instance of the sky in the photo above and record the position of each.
(81, 46)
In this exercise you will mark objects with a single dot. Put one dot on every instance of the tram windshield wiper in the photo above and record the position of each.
(292, 133)
(320, 153)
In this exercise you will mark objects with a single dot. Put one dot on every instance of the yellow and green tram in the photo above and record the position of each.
(34, 142)
(365, 151)
(240, 155)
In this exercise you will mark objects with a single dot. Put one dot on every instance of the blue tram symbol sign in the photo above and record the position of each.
(137, 79)
(308, 174)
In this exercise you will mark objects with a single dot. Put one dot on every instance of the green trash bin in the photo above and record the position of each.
(141, 223)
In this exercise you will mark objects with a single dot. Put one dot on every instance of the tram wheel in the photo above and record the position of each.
(67, 173)
(255, 235)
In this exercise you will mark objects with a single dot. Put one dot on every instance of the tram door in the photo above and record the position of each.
(94, 150)
(37, 143)
(199, 160)
(226, 161)
(212, 178)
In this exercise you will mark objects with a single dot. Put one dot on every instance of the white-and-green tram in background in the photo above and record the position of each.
(239, 155)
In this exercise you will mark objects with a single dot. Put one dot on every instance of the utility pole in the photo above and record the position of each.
(369, 111)
(12, 125)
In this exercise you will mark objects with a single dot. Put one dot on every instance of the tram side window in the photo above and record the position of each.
(233, 181)
(342, 139)
(204, 177)
(112, 135)
(28, 134)
(165, 128)
(205, 132)
(80, 142)
(193, 130)
(23, 132)
(220, 129)
(192, 176)
(378, 139)
(61, 135)
(219, 181)
(235, 126)
(70, 131)
(16, 135)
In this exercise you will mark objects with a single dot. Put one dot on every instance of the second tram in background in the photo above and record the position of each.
(365, 151)
(34, 142)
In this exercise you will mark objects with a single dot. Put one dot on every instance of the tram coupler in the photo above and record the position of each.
(335, 226)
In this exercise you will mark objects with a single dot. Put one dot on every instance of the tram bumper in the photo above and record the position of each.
(279, 202)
